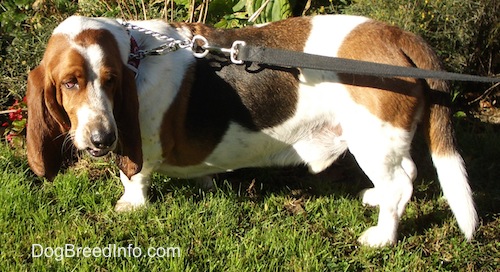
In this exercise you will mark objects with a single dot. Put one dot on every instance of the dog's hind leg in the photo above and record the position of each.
(371, 196)
(393, 190)
(384, 157)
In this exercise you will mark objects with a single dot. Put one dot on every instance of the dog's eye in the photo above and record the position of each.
(71, 84)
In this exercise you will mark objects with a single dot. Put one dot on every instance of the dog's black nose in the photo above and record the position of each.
(102, 140)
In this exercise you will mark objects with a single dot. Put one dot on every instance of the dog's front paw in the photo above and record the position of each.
(128, 206)
(376, 237)
(369, 197)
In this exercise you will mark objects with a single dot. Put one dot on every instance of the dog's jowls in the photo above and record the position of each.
(189, 117)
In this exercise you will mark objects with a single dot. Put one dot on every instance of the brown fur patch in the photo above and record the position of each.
(71, 66)
(47, 119)
(290, 34)
(57, 46)
(177, 148)
(394, 100)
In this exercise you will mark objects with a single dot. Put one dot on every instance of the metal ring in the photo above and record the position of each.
(195, 45)
(234, 52)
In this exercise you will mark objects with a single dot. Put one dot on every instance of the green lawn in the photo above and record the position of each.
(284, 221)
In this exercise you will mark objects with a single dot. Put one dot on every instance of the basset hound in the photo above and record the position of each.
(190, 117)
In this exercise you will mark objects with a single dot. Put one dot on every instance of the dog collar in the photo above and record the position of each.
(133, 61)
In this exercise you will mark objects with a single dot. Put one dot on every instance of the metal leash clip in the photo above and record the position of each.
(233, 51)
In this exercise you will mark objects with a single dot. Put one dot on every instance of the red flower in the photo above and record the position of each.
(16, 115)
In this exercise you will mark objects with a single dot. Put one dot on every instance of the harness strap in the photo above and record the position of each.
(285, 58)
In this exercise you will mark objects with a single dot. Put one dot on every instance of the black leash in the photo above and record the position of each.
(285, 58)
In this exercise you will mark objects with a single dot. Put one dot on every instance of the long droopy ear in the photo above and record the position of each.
(126, 111)
(46, 125)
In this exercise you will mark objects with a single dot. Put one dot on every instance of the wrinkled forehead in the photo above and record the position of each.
(90, 33)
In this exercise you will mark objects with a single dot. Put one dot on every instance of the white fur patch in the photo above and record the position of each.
(328, 33)
(136, 192)
(83, 115)
(453, 179)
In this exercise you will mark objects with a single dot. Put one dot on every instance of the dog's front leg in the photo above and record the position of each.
(136, 192)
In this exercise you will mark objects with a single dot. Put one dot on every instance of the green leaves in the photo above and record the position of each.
(268, 10)
(239, 6)
(256, 11)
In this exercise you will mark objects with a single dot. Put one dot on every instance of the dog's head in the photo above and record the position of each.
(82, 90)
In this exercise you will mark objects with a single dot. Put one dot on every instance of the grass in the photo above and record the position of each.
(283, 221)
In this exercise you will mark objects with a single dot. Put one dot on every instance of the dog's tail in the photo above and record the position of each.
(440, 137)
